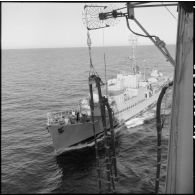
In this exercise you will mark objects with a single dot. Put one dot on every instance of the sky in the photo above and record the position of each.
(52, 25)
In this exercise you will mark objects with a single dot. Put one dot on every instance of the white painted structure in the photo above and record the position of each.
(131, 94)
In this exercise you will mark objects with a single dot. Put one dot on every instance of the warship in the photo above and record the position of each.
(129, 94)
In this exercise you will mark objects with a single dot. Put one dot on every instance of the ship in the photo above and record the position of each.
(129, 95)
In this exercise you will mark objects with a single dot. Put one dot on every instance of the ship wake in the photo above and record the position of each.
(139, 120)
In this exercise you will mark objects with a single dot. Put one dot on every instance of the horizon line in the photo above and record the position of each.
(69, 47)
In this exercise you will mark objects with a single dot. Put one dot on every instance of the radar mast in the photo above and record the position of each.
(133, 43)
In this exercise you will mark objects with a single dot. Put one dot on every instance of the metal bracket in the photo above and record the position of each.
(130, 11)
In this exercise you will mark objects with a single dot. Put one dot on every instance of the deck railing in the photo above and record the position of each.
(61, 117)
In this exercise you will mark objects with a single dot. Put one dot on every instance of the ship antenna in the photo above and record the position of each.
(144, 70)
(133, 43)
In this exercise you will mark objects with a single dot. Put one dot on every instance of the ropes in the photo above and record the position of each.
(89, 47)
(92, 70)
(169, 11)
(138, 34)
(104, 60)
(109, 139)
(95, 139)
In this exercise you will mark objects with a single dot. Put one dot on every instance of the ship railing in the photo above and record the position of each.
(61, 117)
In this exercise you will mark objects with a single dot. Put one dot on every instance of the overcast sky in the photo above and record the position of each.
(48, 25)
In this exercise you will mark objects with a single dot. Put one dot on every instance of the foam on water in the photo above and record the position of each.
(139, 120)
(134, 122)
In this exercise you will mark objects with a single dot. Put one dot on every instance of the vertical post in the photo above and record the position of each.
(180, 157)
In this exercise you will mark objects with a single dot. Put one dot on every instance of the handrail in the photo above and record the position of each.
(60, 117)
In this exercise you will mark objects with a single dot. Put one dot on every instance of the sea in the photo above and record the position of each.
(38, 81)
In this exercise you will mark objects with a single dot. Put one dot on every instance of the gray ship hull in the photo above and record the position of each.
(72, 134)
(68, 137)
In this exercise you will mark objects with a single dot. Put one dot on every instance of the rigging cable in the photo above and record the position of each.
(110, 137)
(104, 61)
(169, 11)
(98, 167)
(92, 71)
(89, 48)
(138, 34)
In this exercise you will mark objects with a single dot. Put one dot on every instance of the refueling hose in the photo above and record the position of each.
(159, 127)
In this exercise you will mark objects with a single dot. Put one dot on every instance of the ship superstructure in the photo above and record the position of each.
(131, 93)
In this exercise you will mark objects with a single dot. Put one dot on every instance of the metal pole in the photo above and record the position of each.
(167, 55)
(160, 5)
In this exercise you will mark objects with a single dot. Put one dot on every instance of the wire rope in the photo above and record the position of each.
(138, 34)
(169, 11)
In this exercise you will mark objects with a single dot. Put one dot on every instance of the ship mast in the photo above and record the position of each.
(133, 43)
(144, 70)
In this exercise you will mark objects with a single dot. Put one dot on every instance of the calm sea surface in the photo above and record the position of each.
(37, 81)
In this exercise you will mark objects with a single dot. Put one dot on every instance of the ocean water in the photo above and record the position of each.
(37, 81)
